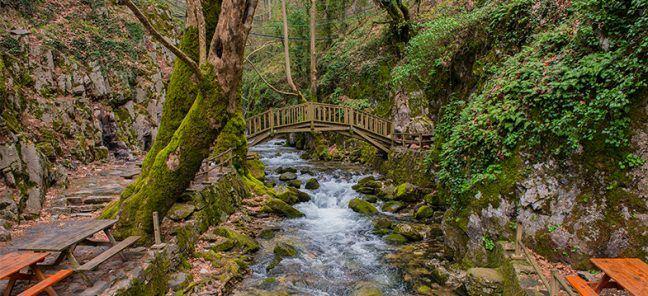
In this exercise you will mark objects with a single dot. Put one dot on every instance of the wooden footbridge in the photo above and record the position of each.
(318, 117)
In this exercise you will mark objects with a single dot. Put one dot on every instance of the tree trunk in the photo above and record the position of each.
(216, 102)
(286, 47)
(313, 54)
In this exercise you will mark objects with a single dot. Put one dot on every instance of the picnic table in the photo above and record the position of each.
(11, 264)
(66, 236)
(630, 274)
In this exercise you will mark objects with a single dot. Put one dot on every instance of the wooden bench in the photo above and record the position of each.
(46, 283)
(114, 250)
(581, 286)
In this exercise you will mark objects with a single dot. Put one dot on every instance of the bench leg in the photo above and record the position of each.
(113, 241)
(603, 283)
(76, 265)
(9, 287)
(40, 276)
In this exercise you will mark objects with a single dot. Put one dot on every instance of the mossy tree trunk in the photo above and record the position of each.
(216, 79)
(400, 21)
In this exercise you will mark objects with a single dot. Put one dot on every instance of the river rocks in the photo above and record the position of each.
(361, 206)
(382, 225)
(367, 185)
(247, 243)
(408, 192)
(484, 281)
(392, 206)
(281, 170)
(370, 198)
(312, 184)
(413, 232)
(294, 183)
(180, 211)
(279, 207)
(386, 192)
(287, 176)
(269, 233)
(366, 289)
(281, 250)
(291, 195)
(395, 239)
(424, 212)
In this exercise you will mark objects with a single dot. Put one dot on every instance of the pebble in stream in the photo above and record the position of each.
(337, 253)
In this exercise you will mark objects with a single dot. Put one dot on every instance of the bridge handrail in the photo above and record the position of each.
(328, 117)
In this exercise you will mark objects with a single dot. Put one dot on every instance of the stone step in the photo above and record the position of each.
(85, 208)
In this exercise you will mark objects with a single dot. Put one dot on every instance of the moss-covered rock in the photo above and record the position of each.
(312, 184)
(424, 212)
(269, 233)
(413, 232)
(291, 195)
(370, 198)
(247, 243)
(256, 169)
(294, 183)
(395, 239)
(180, 211)
(281, 250)
(367, 185)
(362, 207)
(224, 245)
(287, 176)
(408, 192)
(279, 207)
(393, 206)
(281, 170)
(484, 281)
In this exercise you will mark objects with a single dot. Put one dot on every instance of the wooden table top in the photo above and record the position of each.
(15, 261)
(630, 273)
(65, 234)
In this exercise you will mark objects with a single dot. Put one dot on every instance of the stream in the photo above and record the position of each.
(337, 251)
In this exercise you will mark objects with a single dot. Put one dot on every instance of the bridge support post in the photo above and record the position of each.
(271, 121)
(311, 115)
(351, 119)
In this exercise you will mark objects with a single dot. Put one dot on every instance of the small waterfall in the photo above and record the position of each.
(337, 249)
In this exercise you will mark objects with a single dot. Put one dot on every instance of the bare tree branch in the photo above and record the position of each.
(260, 48)
(268, 83)
(147, 24)
(197, 10)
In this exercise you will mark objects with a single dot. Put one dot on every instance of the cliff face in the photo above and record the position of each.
(79, 81)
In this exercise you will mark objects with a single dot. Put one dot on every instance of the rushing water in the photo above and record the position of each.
(337, 250)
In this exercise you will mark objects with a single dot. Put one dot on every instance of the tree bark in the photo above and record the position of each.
(217, 100)
(313, 54)
(287, 47)
(400, 18)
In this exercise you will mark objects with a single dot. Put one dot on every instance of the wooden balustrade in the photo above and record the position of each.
(313, 116)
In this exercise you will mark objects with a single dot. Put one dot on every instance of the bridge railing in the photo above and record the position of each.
(318, 113)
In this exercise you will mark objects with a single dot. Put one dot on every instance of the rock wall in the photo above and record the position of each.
(79, 82)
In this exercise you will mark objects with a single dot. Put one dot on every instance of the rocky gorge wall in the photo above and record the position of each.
(79, 82)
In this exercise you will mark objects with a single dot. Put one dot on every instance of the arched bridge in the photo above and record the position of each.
(311, 117)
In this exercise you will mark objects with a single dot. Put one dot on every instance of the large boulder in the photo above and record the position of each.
(484, 281)
(367, 185)
(294, 183)
(361, 206)
(279, 207)
(424, 212)
(408, 192)
(281, 170)
(396, 239)
(256, 169)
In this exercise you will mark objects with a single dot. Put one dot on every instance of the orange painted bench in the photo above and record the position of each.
(46, 283)
(580, 285)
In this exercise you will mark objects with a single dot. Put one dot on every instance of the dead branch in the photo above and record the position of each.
(196, 9)
(176, 51)
(268, 83)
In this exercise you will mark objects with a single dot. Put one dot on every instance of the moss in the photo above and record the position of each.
(255, 186)
(361, 206)
(247, 243)
(154, 281)
(396, 239)
(233, 137)
(277, 206)
(219, 200)
(256, 169)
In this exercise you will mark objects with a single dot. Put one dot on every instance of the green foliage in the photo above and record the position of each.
(10, 45)
(631, 161)
(566, 89)
(489, 244)
(135, 30)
